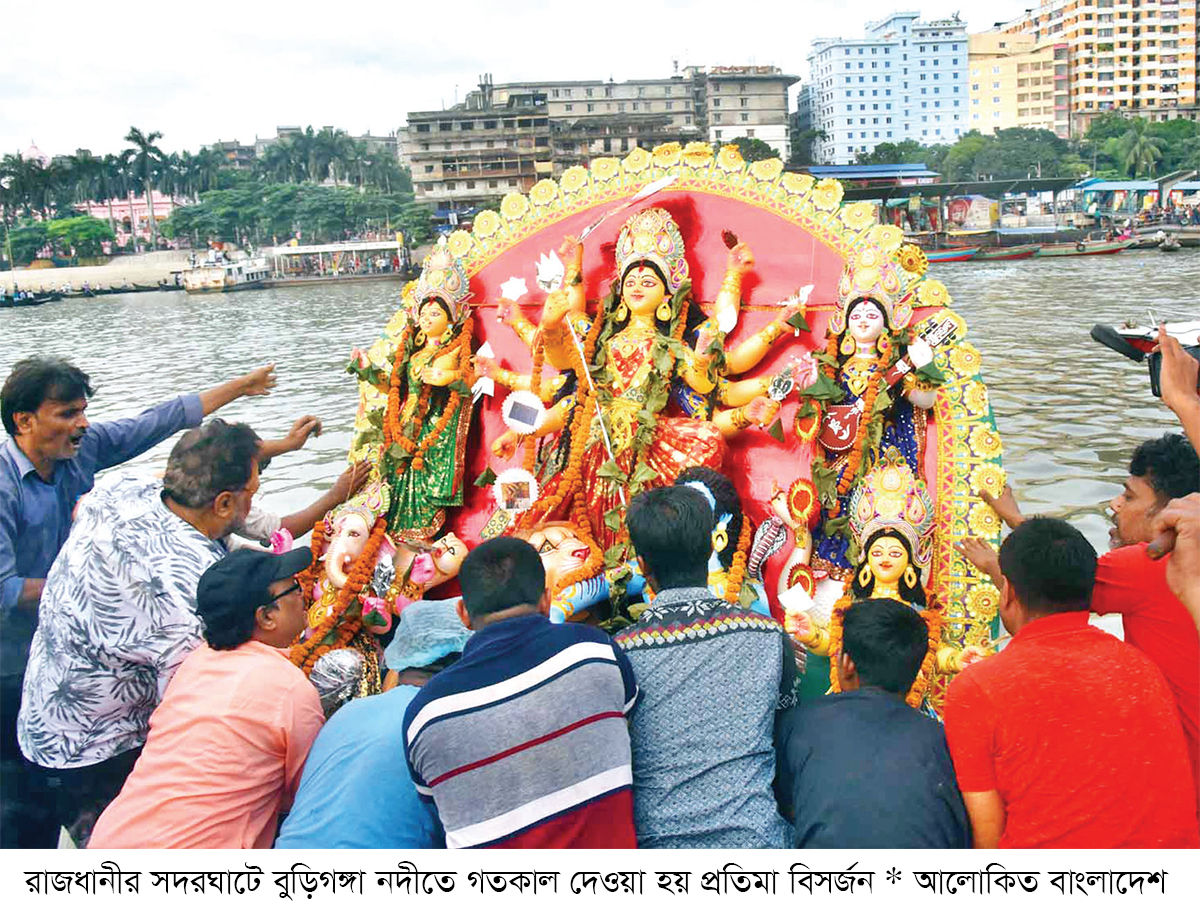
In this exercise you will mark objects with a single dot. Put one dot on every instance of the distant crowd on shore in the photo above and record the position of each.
(148, 699)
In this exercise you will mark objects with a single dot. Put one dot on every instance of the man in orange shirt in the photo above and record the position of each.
(228, 742)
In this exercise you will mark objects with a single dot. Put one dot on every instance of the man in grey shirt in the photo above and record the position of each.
(713, 677)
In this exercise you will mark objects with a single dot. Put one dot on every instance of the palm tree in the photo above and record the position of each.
(85, 175)
(1138, 151)
(147, 157)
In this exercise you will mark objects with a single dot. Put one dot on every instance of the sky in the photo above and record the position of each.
(80, 76)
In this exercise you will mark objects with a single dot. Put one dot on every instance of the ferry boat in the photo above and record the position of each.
(951, 254)
(218, 274)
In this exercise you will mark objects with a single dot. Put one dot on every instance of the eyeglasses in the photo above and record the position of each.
(288, 591)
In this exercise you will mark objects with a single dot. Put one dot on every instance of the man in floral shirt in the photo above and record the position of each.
(118, 614)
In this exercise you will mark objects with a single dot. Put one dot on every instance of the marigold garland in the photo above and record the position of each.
(737, 567)
(933, 621)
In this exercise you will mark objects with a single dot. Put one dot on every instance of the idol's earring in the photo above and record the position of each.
(419, 338)
(910, 577)
(622, 313)
(884, 344)
(664, 311)
(864, 577)
(847, 347)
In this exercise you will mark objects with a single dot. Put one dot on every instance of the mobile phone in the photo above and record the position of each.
(1154, 359)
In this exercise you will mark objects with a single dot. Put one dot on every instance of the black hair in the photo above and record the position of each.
(440, 303)
(1169, 465)
(35, 380)
(887, 324)
(671, 531)
(499, 574)
(915, 594)
(726, 496)
(887, 641)
(209, 460)
(1050, 565)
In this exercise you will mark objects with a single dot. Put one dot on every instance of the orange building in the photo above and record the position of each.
(1137, 57)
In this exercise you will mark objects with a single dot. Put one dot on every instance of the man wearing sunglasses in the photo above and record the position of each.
(229, 740)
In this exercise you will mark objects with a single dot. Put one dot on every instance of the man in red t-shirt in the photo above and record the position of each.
(1068, 738)
(1129, 583)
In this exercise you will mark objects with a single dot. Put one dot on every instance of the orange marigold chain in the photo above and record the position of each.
(737, 567)
(933, 621)
(854, 459)
(463, 341)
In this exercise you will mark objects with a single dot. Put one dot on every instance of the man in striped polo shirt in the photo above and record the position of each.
(523, 743)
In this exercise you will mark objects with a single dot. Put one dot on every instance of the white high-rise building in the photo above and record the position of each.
(905, 79)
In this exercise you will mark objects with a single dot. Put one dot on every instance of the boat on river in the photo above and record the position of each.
(219, 275)
(1022, 252)
(1083, 248)
(951, 254)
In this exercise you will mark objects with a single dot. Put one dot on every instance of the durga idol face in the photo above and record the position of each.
(888, 560)
(433, 319)
(642, 291)
(866, 322)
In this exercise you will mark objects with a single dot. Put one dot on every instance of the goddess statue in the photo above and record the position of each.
(874, 397)
(620, 442)
(891, 517)
(418, 453)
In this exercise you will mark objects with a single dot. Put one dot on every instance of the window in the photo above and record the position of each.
(717, 134)
(745, 118)
(422, 128)
(470, 185)
(744, 102)
(450, 185)
(591, 107)
(670, 105)
(569, 107)
(716, 102)
(588, 92)
(492, 185)
(429, 169)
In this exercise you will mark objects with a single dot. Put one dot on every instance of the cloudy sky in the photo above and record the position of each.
(77, 75)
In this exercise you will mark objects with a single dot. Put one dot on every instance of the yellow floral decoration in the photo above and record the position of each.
(573, 179)
(605, 169)
(667, 154)
(697, 154)
(858, 216)
(985, 442)
(797, 183)
(487, 223)
(965, 359)
(638, 160)
(984, 601)
(983, 521)
(975, 398)
(766, 169)
(513, 206)
(932, 293)
(827, 194)
(989, 478)
(913, 260)
(730, 159)
(888, 237)
(459, 243)
(544, 192)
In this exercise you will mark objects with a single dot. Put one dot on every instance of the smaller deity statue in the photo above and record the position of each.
(891, 517)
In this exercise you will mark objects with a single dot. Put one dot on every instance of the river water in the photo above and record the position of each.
(1069, 410)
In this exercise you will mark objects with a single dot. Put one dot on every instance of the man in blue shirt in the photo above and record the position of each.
(355, 792)
(862, 769)
(48, 462)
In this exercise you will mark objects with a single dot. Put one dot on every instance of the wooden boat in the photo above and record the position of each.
(1170, 245)
(1083, 248)
(1021, 252)
(951, 254)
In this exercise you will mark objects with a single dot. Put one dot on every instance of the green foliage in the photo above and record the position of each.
(753, 149)
(26, 240)
(80, 236)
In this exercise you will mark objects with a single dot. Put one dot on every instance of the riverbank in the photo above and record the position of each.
(140, 269)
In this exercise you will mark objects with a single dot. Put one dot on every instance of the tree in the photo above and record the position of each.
(147, 158)
(753, 149)
(81, 235)
(802, 143)
(1138, 150)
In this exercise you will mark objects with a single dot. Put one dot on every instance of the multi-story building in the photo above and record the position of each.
(747, 101)
(235, 154)
(506, 137)
(905, 79)
(1137, 57)
(1016, 82)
